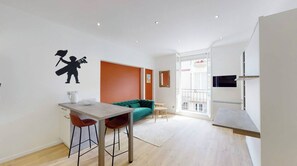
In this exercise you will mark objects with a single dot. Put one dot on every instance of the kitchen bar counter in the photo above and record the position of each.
(237, 120)
(102, 111)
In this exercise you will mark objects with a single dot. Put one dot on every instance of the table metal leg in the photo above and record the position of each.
(166, 115)
(101, 147)
(130, 148)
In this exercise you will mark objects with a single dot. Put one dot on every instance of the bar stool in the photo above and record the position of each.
(116, 123)
(77, 122)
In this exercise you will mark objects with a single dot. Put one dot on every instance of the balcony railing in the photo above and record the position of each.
(194, 100)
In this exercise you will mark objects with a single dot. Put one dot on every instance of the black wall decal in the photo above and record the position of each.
(71, 67)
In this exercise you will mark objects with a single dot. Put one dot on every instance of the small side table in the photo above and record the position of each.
(159, 104)
(159, 109)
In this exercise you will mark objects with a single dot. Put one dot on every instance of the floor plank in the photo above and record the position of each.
(197, 144)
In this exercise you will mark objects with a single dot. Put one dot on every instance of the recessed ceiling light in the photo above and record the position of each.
(216, 17)
(136, 41)
(98, 24)
(221, 38)
(156, 22)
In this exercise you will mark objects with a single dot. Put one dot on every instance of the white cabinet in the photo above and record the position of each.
(65, 125)
(66, 128)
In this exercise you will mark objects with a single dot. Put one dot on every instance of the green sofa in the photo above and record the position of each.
(142, 108)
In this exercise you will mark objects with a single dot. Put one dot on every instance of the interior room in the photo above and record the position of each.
(148, 83)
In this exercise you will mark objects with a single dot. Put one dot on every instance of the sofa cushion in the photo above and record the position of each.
(135, 105)
(125, 103)
(141, 112)
(144, 109)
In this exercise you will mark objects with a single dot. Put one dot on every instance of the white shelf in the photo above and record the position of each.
(237, 120)
(246, 77)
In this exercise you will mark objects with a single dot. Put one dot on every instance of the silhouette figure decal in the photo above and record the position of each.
(71, 67)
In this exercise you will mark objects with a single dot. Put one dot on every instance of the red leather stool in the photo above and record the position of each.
(77, 122)
(116, 123)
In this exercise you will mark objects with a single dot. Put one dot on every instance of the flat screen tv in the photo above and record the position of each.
(224, 81)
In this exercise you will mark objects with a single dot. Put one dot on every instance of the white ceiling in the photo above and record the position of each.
(184, 25)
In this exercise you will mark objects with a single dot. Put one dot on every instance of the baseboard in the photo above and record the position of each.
(15, 156)
(193, 115)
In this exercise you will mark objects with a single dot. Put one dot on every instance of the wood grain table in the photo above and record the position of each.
(102, 111)
(159, 104)
(159, 109)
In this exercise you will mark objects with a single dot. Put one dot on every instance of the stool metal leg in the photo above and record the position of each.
(127, 131)
(89, 136)
(96, 134)
(119, 143)
(71, 142)
(79, 146)
(114, 133)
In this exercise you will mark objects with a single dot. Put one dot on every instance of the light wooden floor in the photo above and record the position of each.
(197, 144)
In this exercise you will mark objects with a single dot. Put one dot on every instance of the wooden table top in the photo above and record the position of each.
(159, 104)
(98, 110)
(161, 108)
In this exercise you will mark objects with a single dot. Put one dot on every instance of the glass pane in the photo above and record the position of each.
(194, 83)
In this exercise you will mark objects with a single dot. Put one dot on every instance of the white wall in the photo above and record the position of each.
(278, 68)
(30, 90)
(164, 94)
(252, 53)
(225, 60)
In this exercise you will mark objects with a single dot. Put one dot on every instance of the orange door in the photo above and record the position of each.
(148, 84)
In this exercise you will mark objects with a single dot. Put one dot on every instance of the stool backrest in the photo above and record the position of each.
(76, 121)
(124, 117)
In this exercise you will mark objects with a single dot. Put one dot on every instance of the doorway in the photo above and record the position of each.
(193, 81)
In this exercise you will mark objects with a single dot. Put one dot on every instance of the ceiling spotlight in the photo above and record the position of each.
(98, 24)
(216, 17)
(137, 41)
(156, 22)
